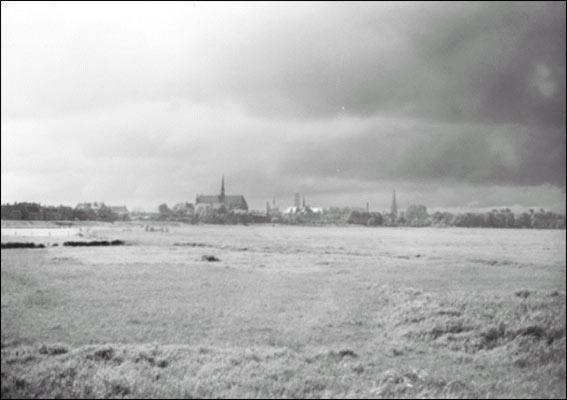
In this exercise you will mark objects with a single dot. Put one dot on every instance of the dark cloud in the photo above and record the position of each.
(474, 154)
(455, 62)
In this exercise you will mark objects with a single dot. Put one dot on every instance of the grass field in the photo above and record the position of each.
(287, 312)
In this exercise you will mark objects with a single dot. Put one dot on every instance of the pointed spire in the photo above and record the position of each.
(221, 198)
(394, 210)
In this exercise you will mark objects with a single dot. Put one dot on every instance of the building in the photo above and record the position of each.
(89, 206)
(292, 210)
(121, 211)
(301, 208)
(272, 210)
(228, 202)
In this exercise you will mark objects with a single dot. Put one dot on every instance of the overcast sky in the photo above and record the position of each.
(453, 105)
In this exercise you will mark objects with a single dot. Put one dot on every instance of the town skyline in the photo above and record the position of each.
(287, 201)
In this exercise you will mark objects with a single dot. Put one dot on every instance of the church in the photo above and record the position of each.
(230, 202)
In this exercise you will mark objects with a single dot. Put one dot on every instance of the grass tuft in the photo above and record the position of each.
(54, 349)
(210, 258)
(103, 354)
(524, 294)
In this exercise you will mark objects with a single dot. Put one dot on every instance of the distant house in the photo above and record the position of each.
(89, 206)
(303, 210)
(291, 210)
(229, 202)
(121, 211)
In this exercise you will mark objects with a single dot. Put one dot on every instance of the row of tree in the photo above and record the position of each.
(37, 212)
(414, 215)
(500, 219)
(417, 215)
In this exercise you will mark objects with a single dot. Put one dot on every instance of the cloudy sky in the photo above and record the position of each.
(453, 105)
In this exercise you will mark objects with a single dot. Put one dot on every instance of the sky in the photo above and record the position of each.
(455, 106)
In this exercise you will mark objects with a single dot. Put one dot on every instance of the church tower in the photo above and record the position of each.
(394, 210)
(221, 197)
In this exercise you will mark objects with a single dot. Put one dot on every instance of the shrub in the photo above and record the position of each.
(22, 245)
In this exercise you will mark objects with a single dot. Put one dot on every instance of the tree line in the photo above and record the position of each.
(36, 212)
(417, 216)
(414, 216)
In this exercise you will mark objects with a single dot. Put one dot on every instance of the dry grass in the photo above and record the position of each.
(288, 312)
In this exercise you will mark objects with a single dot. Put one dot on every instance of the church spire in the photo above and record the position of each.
(221, 197)
(394, 210)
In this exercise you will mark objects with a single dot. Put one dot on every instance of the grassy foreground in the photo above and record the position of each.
(288, 313)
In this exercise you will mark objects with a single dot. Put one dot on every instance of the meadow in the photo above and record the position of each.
(287, 311)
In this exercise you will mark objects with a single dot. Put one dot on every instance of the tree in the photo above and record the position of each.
(375, 219)
(416, 215)
(523, 220)
(84, 214)
(358, 217)
(442, 218)
(104, 213)
(164, 211)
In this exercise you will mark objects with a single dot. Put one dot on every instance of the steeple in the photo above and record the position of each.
(394, 210)
(221, 197)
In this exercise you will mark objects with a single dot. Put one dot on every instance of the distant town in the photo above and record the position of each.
(233, 209)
